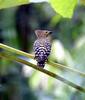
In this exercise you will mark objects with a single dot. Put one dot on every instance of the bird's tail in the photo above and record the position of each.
(41, 64)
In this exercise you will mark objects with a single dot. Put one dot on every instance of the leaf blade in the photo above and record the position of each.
(64, 7)
(12, 3)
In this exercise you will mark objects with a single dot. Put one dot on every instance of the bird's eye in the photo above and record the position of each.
(46, 32)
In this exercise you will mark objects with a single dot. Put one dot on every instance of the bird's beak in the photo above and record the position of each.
(50, 32)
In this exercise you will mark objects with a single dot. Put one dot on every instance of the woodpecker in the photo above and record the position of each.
(42, 47)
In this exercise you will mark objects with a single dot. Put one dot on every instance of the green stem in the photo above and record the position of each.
(13, 58)
(5, 47)
(66, 68)
(13, 50)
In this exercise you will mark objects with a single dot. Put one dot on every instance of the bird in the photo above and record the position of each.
(42, 47)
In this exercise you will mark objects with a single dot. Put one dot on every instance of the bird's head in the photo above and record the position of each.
(42, 33)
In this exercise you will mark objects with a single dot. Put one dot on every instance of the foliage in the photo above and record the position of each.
(11, 3)
(64, 7)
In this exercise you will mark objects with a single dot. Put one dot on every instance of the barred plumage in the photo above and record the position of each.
(42, 47)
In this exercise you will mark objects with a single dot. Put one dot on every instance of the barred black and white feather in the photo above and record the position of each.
(42, 47)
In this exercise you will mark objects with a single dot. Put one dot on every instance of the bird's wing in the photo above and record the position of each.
(48, 47)
(42, 50)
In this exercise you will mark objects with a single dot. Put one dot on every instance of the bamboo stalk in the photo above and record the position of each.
(19, 52)
(13, 58)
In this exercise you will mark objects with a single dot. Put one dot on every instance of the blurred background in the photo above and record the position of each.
(17, 26)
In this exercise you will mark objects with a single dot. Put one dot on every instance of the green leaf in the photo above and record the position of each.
(12, 3)
(64, 7)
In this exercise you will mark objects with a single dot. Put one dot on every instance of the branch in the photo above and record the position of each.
(13, 58)
(65, 68)
(21, 53)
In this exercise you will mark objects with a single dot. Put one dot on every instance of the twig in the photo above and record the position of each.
(13, 50)
(5, 47)
(65, 68)
(13, 58)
